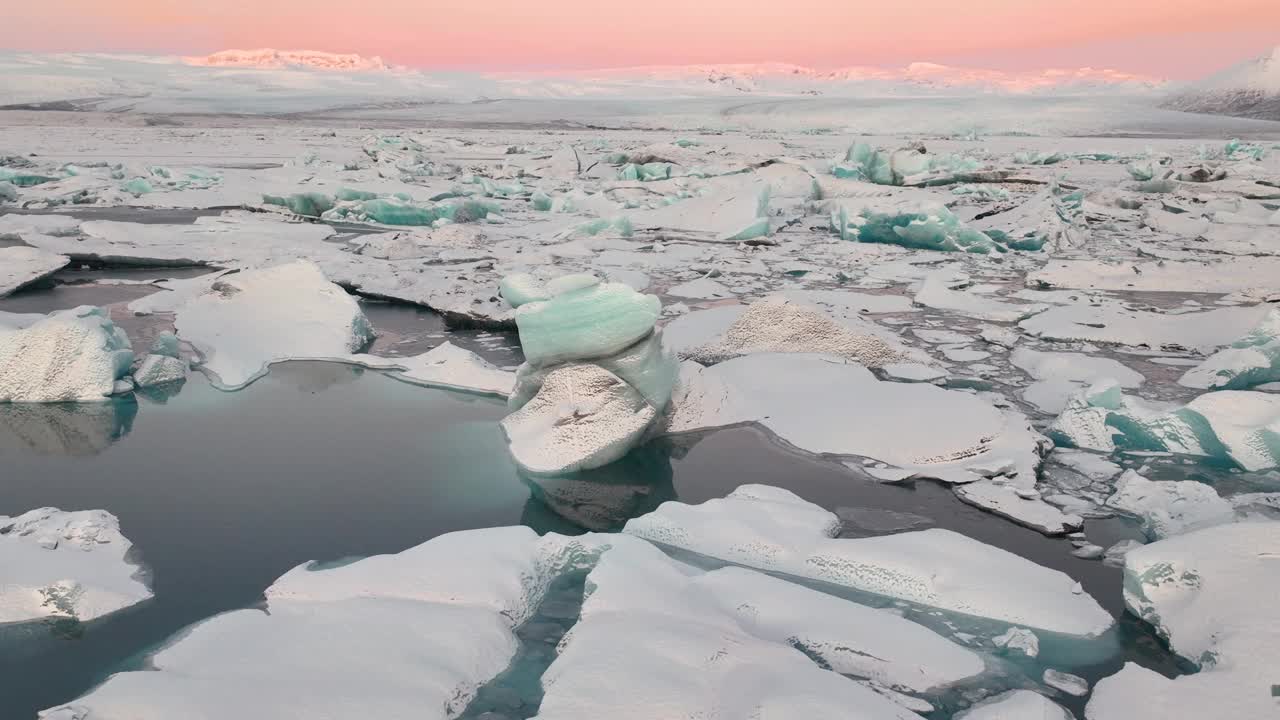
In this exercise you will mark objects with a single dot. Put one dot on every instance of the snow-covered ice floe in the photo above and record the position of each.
(1252, 360)
(72, 355)
(22, 266)
(445, 366)
(774, 530)
(1237, 426)
(245, 321)
(66, 565)
(416, 634)
(1207, 593)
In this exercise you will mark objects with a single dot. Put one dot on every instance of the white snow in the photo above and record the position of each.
(61, 564)
(1060, 375)
(1169, 507)
(248, 320)
(1016, 705)
(774, 530)
(68, 356)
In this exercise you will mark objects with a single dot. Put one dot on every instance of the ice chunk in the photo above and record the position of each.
(1019, 640)
(522, 288)
(1252, 360)
(1019, 505)
(583, 417)
(648, 366)
(734, 209)
(166, 344)
(1169, 507)
(589, 323)
(21, 266)
(774, 530)
(777, 324)
(932, 229)
(723, 645)
(1203, 592)
(310, 204)
(411, 635)
(250, 319)
(1066, 682)
(1016, 705)
(159, 370)
(61, 564)
(446, 366)
(1060, 375)
(1239, 426)
(68, 356)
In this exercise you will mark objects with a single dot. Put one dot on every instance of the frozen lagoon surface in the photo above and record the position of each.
(224, 494)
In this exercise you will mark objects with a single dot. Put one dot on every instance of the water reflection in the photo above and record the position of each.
(603, 499)
(73, 429)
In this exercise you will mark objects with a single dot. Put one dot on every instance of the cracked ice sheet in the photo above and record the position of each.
(411, 635)
(935, 292)
(722, 644)
(1111, 324)
(1218, 276)
(21, 266)
(1208, 592)
(774, 530)
(66, 565)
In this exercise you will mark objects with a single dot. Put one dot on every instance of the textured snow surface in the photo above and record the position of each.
(66, 565)
(582, 417)
(1169, 507)
(68, 356)
(1252, 360)
(248, 320)
(1204, 593)
(780, 325)
(21, 266)
(774, 530)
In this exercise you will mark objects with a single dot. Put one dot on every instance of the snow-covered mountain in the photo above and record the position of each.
(1250, 89)
(271, 59)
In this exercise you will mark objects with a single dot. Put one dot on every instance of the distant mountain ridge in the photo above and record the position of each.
(271, 59)
(766, 77)
(1250, 89)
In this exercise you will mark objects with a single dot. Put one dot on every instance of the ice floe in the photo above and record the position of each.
(774, 530)
(68, 356)
(21, 266)
(248, 320)
(66, 565)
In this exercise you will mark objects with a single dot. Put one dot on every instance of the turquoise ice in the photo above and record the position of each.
(936, 229)
(1252, 360)
(594, 322)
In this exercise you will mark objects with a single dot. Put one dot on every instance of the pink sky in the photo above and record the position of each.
(1171, 38)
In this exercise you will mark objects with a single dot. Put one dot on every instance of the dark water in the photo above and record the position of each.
(223, 492)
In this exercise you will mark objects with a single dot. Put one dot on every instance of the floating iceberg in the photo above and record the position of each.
(1058, 376)
(1207, 593)
(582, 417)
(648, 366)
(73, 565)
(1169, 507)
(68, 356)
(1252, 360)
(587, 323)
(159, 370)
(1236, 426)
(21, 266)
(934, 229)
(250, 319)
(773, 530)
